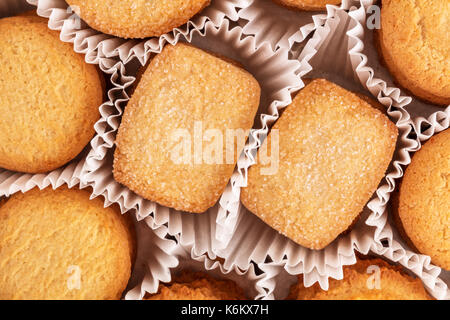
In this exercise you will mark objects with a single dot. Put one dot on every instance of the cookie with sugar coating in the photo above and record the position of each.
(372, 279)
(60, 245)
(198, 286)
(172, 145)
(307, 5)
(334, 149)
(49, 97)
(416, 50)
(137, 19)
(423, 201)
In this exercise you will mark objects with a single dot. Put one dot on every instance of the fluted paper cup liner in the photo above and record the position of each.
(427, 119)
(12, 182)
(281, 26)
(282, 281)
(96, 45)
(374, 75)
(255, 242)
(172, 257)
(277, 76)
(70, 174)
(436, 280)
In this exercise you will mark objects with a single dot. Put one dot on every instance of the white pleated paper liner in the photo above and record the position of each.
(373, 226)
(280, 26)
(70, 174)
(374, 73)
(95, 44)
(12, 182)
(171, 257)
(277, 76)
(435, 123)
(427, 119)
(274, 24)
(255, 242)
(436, 280)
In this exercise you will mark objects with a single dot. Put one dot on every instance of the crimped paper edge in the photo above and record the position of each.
(321, 273)
(96, 45)
(226, 218)
(304, 31)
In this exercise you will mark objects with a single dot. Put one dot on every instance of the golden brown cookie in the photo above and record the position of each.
(58, 244)
(198, 286)
(49, 97)
(137, 19)
(334, 149)
(424, 200)
(366, 280)
(416, 50)
(164, 151)
(308, 5)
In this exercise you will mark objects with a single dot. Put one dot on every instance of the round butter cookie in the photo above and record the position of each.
(423, 201)
(308, 5)
(49, 97)
(366, 280)
(414, 43)
(59, 245)
(198, 286)
(137, 19)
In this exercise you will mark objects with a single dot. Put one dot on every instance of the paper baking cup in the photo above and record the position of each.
(278, 79)
(95, 44)
(274, 24)
(255, 242)
(436, 280)
(173, 258)
(10, 181)
(376, 76)
(427, 119)
(10, 7)
(280, 26)
(283, 281)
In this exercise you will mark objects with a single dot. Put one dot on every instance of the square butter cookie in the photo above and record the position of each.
(175, 144)
(334, 149)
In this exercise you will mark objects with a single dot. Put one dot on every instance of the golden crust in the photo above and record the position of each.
(307, 5)
(198, 286)
(359, 284)
(424, 200)
(334, 151)
(49, 97)
(182, 88)
(46, 236)
(417, 50)
(137, 19)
